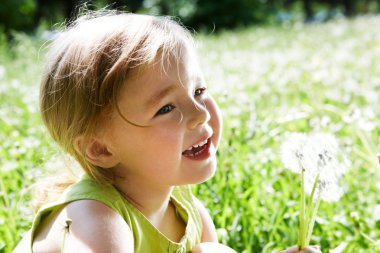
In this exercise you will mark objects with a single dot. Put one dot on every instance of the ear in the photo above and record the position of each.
(96, 153)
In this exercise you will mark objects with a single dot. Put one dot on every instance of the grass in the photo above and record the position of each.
(268, 81)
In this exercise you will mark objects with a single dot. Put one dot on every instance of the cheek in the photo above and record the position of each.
(166, 138)
(163, 150)
(215, 119)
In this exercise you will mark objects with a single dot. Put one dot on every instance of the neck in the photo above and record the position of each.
(153, 202)
(149, 200)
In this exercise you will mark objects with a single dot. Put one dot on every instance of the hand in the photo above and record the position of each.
(308, 249)
(212, 247)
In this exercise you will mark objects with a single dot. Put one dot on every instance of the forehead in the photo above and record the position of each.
(175, 68)
(180, 63)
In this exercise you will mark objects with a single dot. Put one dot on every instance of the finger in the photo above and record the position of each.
(293, 249)
(311, 249)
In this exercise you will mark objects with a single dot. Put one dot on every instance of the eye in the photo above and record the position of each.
(165, 109)
(198, 92)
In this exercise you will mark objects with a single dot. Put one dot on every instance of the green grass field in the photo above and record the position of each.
(268, 81)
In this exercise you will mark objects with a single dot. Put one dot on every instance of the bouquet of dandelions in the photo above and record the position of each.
(314, 157)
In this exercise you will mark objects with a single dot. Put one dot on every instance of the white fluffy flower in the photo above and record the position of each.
(316, 154)
(292, 150)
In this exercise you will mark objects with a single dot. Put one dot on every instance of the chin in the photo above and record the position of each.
(205, 174)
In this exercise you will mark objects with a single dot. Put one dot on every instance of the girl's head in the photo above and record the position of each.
(88, 68)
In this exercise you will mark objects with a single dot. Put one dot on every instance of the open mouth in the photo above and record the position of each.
(199, 150)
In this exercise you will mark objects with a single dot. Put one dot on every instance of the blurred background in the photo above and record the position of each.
(274, 67)
(206, 15)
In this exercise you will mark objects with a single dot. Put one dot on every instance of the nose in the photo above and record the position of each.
(198, 115)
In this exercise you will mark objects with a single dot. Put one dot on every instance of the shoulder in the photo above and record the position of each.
(208, 231)
(98, 227)
(208, 227)
(85, 226)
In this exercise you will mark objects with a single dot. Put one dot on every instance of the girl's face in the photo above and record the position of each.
(182, 125)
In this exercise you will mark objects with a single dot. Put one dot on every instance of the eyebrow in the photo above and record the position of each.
(158, 96)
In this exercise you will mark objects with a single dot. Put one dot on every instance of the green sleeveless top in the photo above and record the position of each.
(147, 238)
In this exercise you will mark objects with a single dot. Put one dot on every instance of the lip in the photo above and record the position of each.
(203, 154)
(205, 136)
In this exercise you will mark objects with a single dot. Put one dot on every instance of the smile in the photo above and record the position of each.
(198, 151)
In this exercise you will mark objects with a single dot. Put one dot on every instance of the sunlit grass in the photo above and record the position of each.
(274, 80)
(268, 81)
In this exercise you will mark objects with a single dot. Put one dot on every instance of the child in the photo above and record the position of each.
(123, 95)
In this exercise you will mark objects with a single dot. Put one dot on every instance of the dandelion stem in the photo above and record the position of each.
(310, 211)
(312, 220)
(312, 193)
(301, 237)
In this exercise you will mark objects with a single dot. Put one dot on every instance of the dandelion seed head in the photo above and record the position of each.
(316, 155)
(292, 153)
(329, 190)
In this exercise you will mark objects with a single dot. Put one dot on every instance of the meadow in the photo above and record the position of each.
(269, 82)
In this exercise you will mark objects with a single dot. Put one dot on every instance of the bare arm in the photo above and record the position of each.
(208, 231)
(94, 228)
(209, 241)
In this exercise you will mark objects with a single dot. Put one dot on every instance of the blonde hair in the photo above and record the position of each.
(87, 65)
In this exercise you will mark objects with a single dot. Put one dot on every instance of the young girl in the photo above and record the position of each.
(123, 95)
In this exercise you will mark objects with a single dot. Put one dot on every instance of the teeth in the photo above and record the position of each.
(198, 145)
